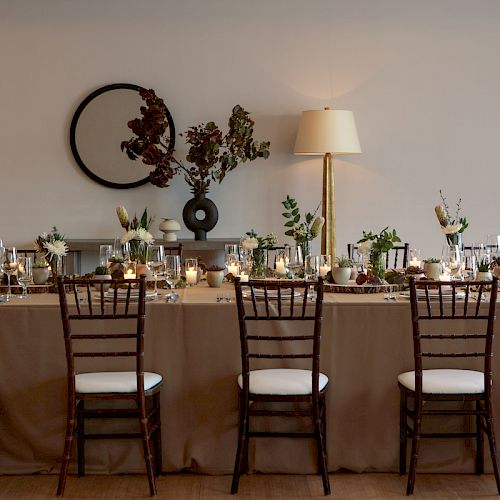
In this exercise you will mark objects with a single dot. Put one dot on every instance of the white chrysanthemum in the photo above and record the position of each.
(452, 228)
(300, 233)
(144, 235)
(57, 247)
(365, 247)
(129, 235)
(272, 239)
(250, 243)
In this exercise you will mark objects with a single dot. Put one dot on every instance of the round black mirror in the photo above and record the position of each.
(98, 128)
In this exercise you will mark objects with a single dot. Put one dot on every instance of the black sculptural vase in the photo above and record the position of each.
(200, 227)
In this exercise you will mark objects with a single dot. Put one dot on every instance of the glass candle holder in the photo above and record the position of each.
(105, 253)
(129, 270)
(281, 262)
(325, 265)
(312, 266)
(191, 269)
(415, 260)
(233, 264)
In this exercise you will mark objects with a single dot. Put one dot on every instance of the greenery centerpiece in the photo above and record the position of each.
(53, 245)
(375, 246)
(259, 245)
(137, 235)
(452, 227)
(211, 155)
(303, 232)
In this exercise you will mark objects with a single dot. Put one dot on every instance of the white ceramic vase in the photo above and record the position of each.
(169, 228)
(432, 270)
(341, 275)
(484, 276)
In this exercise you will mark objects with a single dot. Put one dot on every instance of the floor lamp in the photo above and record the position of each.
(327, 132)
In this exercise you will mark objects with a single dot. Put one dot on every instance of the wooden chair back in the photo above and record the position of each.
(121, 308)
(446, 315)
(396, 258)
(279, 301)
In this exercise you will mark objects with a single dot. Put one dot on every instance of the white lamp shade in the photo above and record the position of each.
(327, 131)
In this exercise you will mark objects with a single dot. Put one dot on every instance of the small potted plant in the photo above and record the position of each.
(102, 273)
(483, 271)
(432, 268)
(341, 272)
(40, 272)
(215, 275)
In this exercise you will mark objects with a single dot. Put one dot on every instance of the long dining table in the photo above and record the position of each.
(194, 345)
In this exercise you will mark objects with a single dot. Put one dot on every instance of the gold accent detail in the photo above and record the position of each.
(328, 237)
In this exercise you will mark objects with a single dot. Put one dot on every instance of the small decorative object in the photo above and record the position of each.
(215, 275)
(211, 153)
(102, 273)
(53, 245)
(451, 227)
(233, 264)
(394, 277)
(259, 246)
(433, 268)
(342, 271)
(169, 228)
(40, 272)
(302, 232)
(325, 264)
(281, 262)
(483, 270)
(376, 246)
(415, 258)
(191, 266)
(137, 236)
(117, 267)
(129, 270)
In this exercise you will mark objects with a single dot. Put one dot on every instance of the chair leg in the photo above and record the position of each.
(491, 440)
(242, 443)
(157, 435)
(479, 440)
(68, 442)
(148, 458)
(415, 444)
(318, 424)
(246, 443)
(403, 401)
(80, 437)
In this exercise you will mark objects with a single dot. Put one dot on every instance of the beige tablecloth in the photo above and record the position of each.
(194, 344)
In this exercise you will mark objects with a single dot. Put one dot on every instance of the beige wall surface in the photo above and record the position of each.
(421, 77)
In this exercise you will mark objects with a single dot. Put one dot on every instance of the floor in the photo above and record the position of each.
(189, 486)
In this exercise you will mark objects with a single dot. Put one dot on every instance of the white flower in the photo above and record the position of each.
(364, 247)
(144, 235)
(452, 228)
(129, 235)
(57, 247)
(250, 243)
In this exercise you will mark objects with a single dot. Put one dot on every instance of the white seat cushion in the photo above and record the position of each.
(282, 381)
(446, 381)
(113, 382)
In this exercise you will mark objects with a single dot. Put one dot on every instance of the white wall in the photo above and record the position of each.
(421, 77)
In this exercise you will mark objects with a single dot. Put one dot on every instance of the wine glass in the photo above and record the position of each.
(8, 265)
(312, 266)
(24, 275)
(156, 256)
(452, 261)
(172, 273)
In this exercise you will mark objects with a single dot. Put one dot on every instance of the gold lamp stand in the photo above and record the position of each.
(328, 237)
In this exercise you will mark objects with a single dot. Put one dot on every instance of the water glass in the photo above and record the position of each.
(24, 275)
(312, 266)
(105, 253)
(156, 261)
(452, 262)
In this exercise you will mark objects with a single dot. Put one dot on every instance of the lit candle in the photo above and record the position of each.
(280, 267)
(233, 269)
(243, 277)
(130, 275)
(324, 270)
(415, 262)
(191, 276)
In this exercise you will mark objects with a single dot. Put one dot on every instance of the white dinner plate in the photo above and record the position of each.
(434, 295)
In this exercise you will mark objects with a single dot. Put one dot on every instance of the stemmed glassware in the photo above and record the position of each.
(156, 261)
(24, 275)
(452, 261)
(8, 265)
(172, 274)
(312, 266)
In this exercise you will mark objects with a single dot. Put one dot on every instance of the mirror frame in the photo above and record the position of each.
(72, 136)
